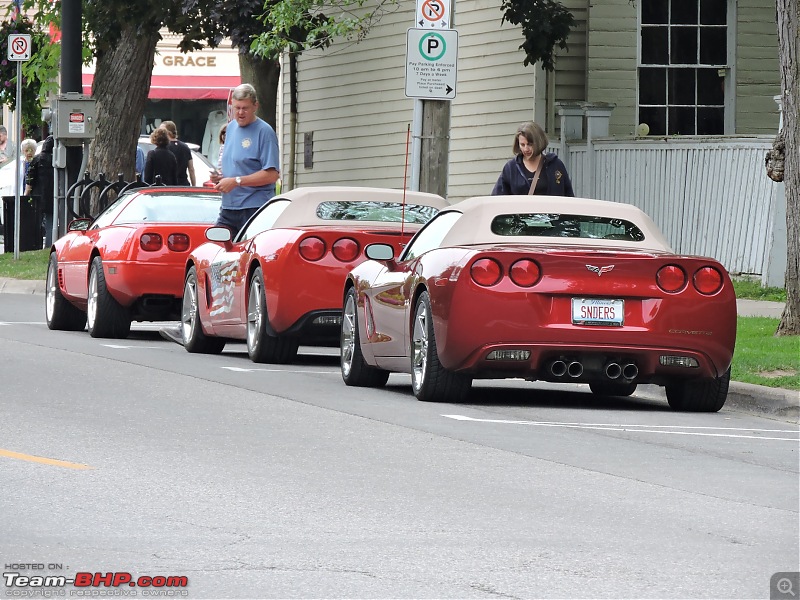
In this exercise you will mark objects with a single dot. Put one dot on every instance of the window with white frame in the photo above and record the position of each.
(682, 66)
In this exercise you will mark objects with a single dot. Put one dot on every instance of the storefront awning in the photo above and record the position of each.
(183, 87)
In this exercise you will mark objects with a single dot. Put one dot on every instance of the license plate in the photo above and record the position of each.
(598, 311)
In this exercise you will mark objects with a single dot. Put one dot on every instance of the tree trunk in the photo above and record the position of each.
(120, 88)
(263, 75)
(788, 20)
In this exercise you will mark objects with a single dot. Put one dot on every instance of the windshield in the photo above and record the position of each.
(161, 208)
(385, 212)
(565, 225)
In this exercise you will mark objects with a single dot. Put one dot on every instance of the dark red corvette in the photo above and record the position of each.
(279, 282)
(554, 289)
(127, 264)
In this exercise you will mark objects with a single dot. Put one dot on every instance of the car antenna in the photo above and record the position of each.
(405, 173)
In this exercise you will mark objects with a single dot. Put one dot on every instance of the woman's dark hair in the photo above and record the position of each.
(160, 138)
(535, 135)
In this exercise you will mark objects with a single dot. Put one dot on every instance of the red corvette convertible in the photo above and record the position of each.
(279, 282)
(554, 289)
(127, 264)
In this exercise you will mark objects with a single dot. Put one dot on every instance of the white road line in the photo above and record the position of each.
(640, 428)
(23, 323)
(242, 370)
(121, 347)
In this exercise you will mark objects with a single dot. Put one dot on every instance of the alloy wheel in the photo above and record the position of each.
(348, 339)
(419, 347)
(189, 310)
(91, 304)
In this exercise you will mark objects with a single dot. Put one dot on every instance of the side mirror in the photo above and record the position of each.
(218, 234)
(382, 252)
(79, 224)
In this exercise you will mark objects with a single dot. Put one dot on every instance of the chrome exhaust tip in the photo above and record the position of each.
(575, 369)
(613, 370)
(558, 368)
(630, 371)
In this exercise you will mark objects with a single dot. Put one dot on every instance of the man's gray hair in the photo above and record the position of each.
(245, 92)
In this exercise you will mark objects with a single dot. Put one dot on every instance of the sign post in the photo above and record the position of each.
(19, 50)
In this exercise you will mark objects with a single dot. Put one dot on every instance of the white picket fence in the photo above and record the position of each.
(710, 196)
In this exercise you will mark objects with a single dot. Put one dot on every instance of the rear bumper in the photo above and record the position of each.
(591, 363)
(128, 281)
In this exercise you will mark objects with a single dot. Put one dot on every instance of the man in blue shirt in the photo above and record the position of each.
(250, 162)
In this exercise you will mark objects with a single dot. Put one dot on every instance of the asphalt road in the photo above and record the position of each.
(262, 481)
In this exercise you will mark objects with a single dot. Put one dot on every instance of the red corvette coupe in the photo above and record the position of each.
(127, 264)
(548, 288)
(279, 282)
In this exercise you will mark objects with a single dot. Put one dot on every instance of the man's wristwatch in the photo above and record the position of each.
(238, 181)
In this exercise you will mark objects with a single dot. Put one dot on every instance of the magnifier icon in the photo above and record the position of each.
(784, 586)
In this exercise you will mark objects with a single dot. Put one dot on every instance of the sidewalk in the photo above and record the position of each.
(743, 397)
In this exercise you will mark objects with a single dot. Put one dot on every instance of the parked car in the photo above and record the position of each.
(279, 282)
(542, 288)
(127, 264)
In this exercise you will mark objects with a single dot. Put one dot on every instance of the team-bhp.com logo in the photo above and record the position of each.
(22, 586)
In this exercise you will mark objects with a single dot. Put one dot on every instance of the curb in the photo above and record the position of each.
(21, 286)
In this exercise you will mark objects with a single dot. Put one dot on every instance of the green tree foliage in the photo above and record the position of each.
(545, 25)
(38, 73)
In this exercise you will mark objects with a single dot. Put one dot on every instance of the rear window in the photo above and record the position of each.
(171, 208)
(384, 212)
(563, 225)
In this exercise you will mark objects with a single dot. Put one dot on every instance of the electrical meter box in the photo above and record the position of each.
(74, 117)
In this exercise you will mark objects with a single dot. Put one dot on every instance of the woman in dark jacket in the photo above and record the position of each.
(39, 185)
(160, 161)
(518, 173)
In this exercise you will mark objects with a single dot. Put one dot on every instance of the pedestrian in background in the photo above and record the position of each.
(6, 149)
(222, 131)
(139, 161)
(532, 170)
(183, 154)
(39, 185)
(160, 161)
(250, 162)
(27, 152)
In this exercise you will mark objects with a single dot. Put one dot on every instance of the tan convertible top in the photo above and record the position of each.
(304, 201)
(474, 227)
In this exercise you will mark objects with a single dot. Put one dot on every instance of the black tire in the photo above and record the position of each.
(60, 313)
(106, 317)
(355, 370)
(430, 381)
(194, 340)
(261, 345)
(608, 388)
(699, 395)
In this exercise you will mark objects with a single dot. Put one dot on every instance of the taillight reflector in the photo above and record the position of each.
(671, 278)
(486, 272)
(312, 248)
(345, 249)
(151, 242)
(178, 242)
(525, 273)
(707, 280)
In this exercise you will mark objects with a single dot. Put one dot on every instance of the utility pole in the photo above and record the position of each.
(71, 81)
(435, 147)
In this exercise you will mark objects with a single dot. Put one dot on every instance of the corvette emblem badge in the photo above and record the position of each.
(600, 270)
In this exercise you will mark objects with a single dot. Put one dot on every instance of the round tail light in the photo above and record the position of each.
(525, 273)
(345, 249)
(486, 272)
(312, 248)
(151, 242)
(671, 278)
(708, 280)
(178, 242)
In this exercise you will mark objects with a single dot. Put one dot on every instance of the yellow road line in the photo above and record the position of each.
(45, 461)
